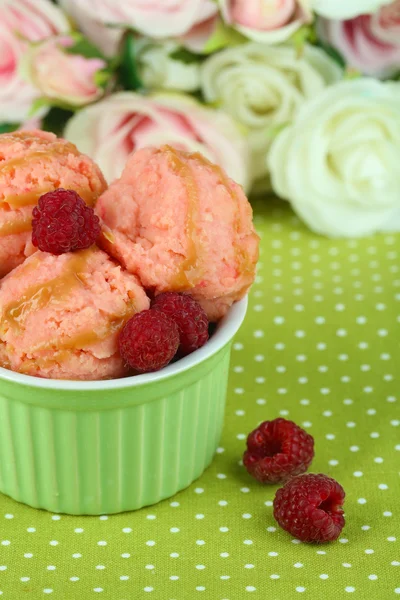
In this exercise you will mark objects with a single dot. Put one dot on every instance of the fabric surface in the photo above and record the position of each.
(320, 346)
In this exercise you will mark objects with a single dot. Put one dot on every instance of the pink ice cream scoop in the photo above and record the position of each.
(180, 224)
(60, 315)
(31, 164)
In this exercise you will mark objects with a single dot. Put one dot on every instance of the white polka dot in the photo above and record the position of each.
(369, 551)
(333, 462)
(391, 538)
(126, 554)
(395, 563)
(224, 529)
(50, 591)
(25, 579)
(246, 516)
(8, 516)
(268, 503)
(151, 517)
(250, 588)
(126, 577)
(28, 555)
(77, 555)
(148, 589)
(102, 543)
(5, 543)
(175, 554)
(274, 576)
(296, 541)
(330, 436)
(383, 486)
(78, 530)
(300, 589)
(245, 490)
(127, 530)
(272, 553)
(350, 424)
(271, 529)
(247, 542)
(373, 577)
(198, 490)
(224, 554)
(397, 590)
(261, 401)
(249, 566)
(200, 567)
(343, 540)
(387, 513)
(324, 576)
(100, 567)
(238, 346)
(365, 527)
(51, 568)
(103, 518)
(53, 543)
(31, 530)
(358, 473)
(241, 436)
(350, 588)
(346, 565)
(174, 577)
(74, 578)
(298, 565)
(224, 577)
(199, 516)
(361, 501)
(354, 448)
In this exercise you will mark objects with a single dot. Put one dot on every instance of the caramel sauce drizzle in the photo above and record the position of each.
(17, 226)
(243, 263)
(188, 271)
(39, 296)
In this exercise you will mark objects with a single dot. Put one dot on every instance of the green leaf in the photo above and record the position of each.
(222, 37)
(83, 47)
(303, 35)
(334, 54)
(128, 72)
(351, 73)
(102, 78)
(56, 119)
(51, 102)
(8, 127)
(37, 105)
(184, 56)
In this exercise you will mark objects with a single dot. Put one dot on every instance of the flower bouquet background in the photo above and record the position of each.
(296, 98)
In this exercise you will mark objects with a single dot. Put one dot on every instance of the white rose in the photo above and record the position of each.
(338, 163)
(347, 9)
(111, 129)
(160, 70)
(262, 87)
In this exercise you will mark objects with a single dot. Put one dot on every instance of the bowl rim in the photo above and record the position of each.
(225, 331)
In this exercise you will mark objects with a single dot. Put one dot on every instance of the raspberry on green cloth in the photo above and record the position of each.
(309, 507)
(277, 450)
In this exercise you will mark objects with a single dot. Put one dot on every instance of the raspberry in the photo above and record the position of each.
(62, 222)
(149, 341)
(189, 316)
(309, 507)
(277, 450)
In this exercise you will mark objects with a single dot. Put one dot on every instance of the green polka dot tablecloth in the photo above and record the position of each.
(320, 346)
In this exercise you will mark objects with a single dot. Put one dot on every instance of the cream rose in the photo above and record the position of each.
(33, 20)
(160, 70)
(262, 87)
(267, 21)
(338, 163)
(369, 43)
(114, 127)
(156, 19)
(346, 9)
(70, 78)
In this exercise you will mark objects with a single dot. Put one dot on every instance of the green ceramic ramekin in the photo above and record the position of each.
(110, 446)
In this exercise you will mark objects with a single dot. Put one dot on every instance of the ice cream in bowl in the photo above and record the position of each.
(117, 315)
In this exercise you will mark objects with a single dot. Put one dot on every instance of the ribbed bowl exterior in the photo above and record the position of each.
(101, 452)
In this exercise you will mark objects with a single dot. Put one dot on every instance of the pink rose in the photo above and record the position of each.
(268, 21)
(369, 43)
(111, 129)
(70, 78)
(156, 18)
(33, 20)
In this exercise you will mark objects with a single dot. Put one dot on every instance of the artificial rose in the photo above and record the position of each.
(262, 87)
(267, 21)
(61, 76)
(22, 20)
(369, 43)
(114, 127)
(161, 68)
(156, 19)
(346, 9)
(338, 163)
